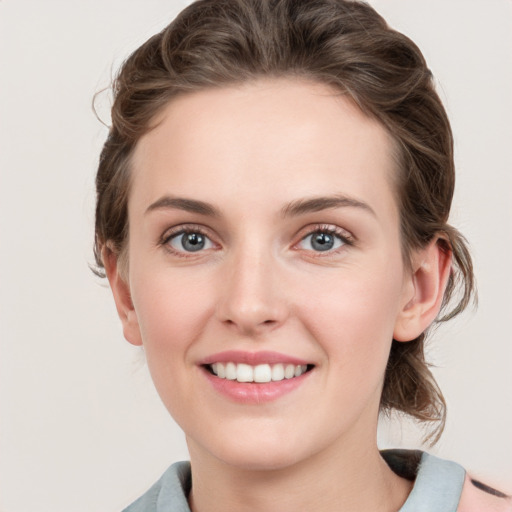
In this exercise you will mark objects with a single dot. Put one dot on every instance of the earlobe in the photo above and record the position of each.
(122, 297)
(424, 290)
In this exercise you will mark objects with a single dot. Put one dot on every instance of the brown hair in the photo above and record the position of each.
(344, 44)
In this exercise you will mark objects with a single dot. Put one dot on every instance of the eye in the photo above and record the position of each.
(189, 241)
(323, 240)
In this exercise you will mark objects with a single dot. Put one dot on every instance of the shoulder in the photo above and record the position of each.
(478, 497)
(169, 494)
(443, 486)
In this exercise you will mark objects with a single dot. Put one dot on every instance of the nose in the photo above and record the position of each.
(251, 300)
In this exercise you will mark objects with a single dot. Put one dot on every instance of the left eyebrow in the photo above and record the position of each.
(316, 204)
(185, 204)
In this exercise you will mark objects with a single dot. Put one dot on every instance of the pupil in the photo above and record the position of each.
(322, 242)
(192, 241)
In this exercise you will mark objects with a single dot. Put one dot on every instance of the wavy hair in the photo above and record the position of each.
(348, 46)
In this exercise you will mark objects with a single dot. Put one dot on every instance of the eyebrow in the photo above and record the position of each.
(181, 203)
(292, 209)
(316, 204)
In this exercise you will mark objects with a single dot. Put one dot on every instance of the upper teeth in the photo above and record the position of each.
(259, 373)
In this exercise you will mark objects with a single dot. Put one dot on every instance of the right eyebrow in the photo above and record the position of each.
(316, 204)
(182, 203)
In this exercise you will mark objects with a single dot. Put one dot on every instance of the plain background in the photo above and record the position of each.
(81, 427)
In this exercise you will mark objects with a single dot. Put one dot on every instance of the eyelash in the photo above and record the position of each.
(180, 231)
(344, 236)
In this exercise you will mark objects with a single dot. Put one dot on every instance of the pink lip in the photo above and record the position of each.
(252, 358)
(251, 392)
(254, 393)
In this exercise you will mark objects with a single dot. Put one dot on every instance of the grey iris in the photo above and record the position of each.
(322, 241)
(192, 241)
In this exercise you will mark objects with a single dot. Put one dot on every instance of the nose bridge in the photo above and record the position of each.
(250, 299)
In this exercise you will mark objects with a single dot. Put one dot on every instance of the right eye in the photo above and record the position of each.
(189, 241)
(322, 241)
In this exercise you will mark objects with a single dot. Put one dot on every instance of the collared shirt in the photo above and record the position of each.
(438, 487)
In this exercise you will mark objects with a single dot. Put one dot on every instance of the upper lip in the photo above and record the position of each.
(252, 358)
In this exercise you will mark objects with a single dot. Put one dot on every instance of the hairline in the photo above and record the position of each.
(396, 153)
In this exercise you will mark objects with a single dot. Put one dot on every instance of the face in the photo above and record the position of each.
(264, 245)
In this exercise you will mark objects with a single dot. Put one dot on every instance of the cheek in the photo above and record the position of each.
(352, 316)
(172, 312)
(171, 309)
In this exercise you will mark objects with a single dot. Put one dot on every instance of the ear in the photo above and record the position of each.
(122, 297)
(423, 290)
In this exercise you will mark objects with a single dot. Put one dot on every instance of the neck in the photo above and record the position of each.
(354, 479)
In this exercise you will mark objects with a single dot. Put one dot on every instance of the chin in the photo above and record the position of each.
(259, 451)
(261, 460)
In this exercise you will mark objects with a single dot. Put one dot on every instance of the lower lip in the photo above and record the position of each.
(255, 393)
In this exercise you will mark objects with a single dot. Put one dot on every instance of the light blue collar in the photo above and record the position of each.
(437, 487)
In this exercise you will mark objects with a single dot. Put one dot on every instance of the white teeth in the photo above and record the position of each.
(289, 371)
(244, 373)
(299, 370)
(230, 371)
(260, 373)
(221, 371)
(277, 372)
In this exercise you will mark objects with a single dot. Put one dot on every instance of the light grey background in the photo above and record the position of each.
(81, 428)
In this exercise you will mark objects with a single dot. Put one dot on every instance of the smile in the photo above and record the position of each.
(255, 378)
(260, 373)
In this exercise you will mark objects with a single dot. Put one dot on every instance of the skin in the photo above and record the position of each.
(252, 152)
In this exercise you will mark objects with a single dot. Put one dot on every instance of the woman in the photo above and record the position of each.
(272, 217)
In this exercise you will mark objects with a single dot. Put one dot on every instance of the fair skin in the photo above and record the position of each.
(291, 253)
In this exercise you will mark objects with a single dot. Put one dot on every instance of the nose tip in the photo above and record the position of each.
(250, 301)
(250, 320)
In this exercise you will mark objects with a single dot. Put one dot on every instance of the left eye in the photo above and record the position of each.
(321, 241)
(191, 241)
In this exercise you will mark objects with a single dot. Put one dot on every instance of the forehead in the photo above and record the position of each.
(302, 138)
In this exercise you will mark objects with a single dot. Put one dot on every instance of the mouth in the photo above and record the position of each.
(260, 373)
(255, 378)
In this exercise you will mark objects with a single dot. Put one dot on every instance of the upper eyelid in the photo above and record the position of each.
(329, 228)
(301, 234)
(347, 238)
(184, 228)
(177, 231)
